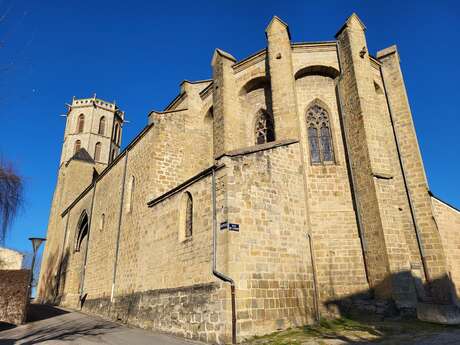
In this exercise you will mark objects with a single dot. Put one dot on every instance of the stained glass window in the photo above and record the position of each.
(319, 135)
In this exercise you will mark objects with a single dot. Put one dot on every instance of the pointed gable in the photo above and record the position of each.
(277, 24)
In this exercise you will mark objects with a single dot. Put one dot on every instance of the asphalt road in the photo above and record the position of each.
(58, 326)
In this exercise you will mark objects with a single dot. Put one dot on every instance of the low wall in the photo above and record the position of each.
(193, 312)
(13, 295)
(10, 259)
(448, 221)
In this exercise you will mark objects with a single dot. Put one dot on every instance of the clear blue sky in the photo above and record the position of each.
(137, 52)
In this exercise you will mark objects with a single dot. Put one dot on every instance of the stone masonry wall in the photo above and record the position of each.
(150, 257)
(10, 259)
(400, 193)
(373, 155)
(103, 233)
(13, 295)
(72, 260)
(269, 257)
(448, 222)
(417, 185)
(72, 180)
(337, 246)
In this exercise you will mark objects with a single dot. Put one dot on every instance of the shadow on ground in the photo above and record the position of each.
(37, 312)
(54, 326)
(5, 325)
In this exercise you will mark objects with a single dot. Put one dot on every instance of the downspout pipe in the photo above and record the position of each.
(315, 280)
(120, 213)
(406, 187)
(58, 284)
(82, 278)
(351, 177)
(309, 231)
(215, 272)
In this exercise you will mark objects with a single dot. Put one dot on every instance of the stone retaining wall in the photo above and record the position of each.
(192, 312)
(13, 295)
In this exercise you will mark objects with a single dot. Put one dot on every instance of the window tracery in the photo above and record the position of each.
(319, 135)
(264, 131)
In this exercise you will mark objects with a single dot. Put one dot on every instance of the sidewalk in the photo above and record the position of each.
(59, 326)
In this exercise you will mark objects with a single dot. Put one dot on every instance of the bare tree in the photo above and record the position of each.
(11, 197)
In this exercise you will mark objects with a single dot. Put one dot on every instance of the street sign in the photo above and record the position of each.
(229, 226)
(233, 227)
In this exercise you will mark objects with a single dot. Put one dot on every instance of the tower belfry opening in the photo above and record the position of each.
(95, 125)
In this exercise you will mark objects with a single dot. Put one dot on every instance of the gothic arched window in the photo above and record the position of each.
(97, 152)
(81, 123)
(77, 146)
(319, 135)
(264, 131)
(82, 230)
(101, 130)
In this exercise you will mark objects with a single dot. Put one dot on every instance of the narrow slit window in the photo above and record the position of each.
(189, 217)
(77, 146)
(102, 225)
(81, 123)
(97, 152)
(116, 134)
(186, 217)
(102, 126)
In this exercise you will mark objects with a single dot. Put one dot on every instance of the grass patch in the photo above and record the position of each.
(328, 328)
(351, 330)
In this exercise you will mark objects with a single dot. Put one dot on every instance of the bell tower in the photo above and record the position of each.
(94, 125)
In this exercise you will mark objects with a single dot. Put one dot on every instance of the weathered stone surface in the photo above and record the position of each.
(14, 288)
(10, 259)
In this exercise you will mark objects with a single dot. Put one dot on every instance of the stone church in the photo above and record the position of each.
(288, 187)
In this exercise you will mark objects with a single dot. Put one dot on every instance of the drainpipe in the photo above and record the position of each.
(308, 225)
(315, 282)
(215, 272)
(120, 213)
(58, 284)
(82, 278)
(406, 187)
(308, 233)
(351, 177)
